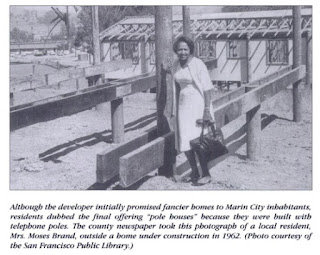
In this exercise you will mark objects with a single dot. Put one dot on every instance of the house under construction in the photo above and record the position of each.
(246, 45)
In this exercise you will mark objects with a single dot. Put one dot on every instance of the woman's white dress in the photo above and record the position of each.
(190, 108)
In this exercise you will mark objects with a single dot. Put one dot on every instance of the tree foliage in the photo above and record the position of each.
(108, 15)
(47, 17)
(20, 36)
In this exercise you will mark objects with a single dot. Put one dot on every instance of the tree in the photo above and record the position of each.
(47, 17)
(20, 36)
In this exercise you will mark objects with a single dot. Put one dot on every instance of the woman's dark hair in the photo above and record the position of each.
(185, 39)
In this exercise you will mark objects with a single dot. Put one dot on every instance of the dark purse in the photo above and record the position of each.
(209, 146)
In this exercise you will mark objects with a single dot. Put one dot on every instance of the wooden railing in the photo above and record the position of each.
(69, 74)
(133, 165)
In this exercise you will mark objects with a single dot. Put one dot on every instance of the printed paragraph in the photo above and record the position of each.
(119, 226)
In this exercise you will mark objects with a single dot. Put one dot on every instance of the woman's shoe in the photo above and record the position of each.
(191, 178)
(204, 180)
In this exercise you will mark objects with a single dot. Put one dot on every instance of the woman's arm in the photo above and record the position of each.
(207, 100)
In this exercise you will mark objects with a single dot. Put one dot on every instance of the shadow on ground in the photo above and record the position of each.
(56, 152)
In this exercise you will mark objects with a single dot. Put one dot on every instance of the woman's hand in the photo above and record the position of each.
(207, 115)
(167, 64)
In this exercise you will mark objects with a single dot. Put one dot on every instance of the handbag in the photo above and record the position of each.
(209, 146)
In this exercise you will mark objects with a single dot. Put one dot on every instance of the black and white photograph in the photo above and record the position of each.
(147, 97)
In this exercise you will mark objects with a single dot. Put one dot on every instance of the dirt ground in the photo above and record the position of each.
(61, 154)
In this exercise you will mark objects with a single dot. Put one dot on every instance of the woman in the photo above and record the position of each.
(192, 102)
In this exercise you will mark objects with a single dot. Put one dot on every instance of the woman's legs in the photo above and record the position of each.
(193, 163)
(206, 177)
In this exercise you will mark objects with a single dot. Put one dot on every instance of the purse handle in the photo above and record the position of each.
(210, 123)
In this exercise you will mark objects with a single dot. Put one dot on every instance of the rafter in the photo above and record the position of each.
(142, 29)
(216, 29)
(129, 32)
(204, 30)
(118, 33)
(248, 27)
(271, 23)
(235, 29)
(282, 25)
(226, 29)
(269, 27)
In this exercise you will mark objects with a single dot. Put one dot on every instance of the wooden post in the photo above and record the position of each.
(117, 121)
(31, 77)
(46, 79)
(96, 44)
(144, 65)
(11, 99)
(186, 21)
(164, 52)
(249, 73)
(297, 109)
(68, 27)
(309, 61)
(253, 120)
(77, 84)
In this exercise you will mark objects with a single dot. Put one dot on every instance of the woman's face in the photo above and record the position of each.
(183, 51)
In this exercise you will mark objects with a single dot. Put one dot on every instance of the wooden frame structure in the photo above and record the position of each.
(127, 160)
(217, 25)
(251, 30)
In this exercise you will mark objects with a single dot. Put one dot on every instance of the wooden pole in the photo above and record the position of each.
(249, 75)
(144, 65)
(297, 108)
(11, 99)
(117, 121)
(68, 27)
(309, 61)
(186, 21)
(253, 119)
(164, 53)
(96, 44)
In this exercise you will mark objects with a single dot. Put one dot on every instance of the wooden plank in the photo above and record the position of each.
(107, 67)
(138, 163)
(227, 97)
(76, 73)
(238, 106)
(270, 77)
(253, 121)
(117, 121)
(74, 102)
(108, 160)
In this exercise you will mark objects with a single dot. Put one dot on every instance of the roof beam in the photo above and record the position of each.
(307, 24)
(226, 29)
(118, 33)
(128, 32)
(269, 27)
(211, 32)
(142, 29)
(248, 27)
(282, 25)
(201, 32)
(236, 28)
